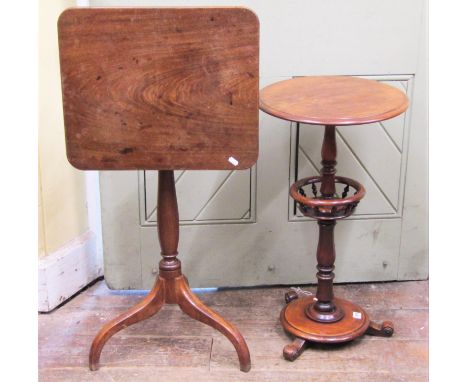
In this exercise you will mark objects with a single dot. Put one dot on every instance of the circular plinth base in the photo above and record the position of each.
(353, 324)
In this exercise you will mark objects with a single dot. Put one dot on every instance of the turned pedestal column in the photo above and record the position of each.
(330, 102)
(171, 286)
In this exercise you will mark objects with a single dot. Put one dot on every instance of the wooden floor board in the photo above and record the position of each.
(172, 347)
(359, 356)
(150, 374)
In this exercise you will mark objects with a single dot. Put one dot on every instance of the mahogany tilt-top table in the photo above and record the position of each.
(161, 89)
(331, 101)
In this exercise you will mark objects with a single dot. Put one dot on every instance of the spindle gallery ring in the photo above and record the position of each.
(322, 208)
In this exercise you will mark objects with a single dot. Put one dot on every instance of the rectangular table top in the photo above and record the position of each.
(160, 88)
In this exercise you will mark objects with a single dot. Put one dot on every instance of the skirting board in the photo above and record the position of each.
(66, 271)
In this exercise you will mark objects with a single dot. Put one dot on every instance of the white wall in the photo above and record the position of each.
(69, 225)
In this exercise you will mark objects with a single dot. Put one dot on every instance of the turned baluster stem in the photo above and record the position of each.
(324, 309)
(325, 266)
(168, 221)
(327, 188)
(326, 244)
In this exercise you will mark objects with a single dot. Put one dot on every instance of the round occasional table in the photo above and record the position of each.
(330, 101)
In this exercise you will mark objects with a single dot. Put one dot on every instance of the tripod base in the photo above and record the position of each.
(355, 323)
(171, 287)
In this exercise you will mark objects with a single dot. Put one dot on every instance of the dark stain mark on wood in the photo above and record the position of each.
(126, 150)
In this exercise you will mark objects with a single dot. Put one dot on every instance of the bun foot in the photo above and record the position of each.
(295, 349)
(385, 329)
(290, 296)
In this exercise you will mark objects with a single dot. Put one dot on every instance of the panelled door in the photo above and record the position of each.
(241, 228)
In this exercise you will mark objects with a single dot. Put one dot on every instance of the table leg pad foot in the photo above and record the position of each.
(384, 329)
(294, 349)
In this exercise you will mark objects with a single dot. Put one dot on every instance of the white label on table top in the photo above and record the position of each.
(357, 315)
(233, 161)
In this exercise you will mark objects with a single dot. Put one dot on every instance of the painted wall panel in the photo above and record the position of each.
(221, 244)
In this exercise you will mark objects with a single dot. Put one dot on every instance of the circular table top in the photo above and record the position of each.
(332, 100)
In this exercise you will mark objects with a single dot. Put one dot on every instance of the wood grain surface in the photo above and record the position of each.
(332, 100)
(160, 88)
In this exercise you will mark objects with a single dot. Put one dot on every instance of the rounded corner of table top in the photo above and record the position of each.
(79, 163)
(245, 164)
(66, 14)
(250, 13)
